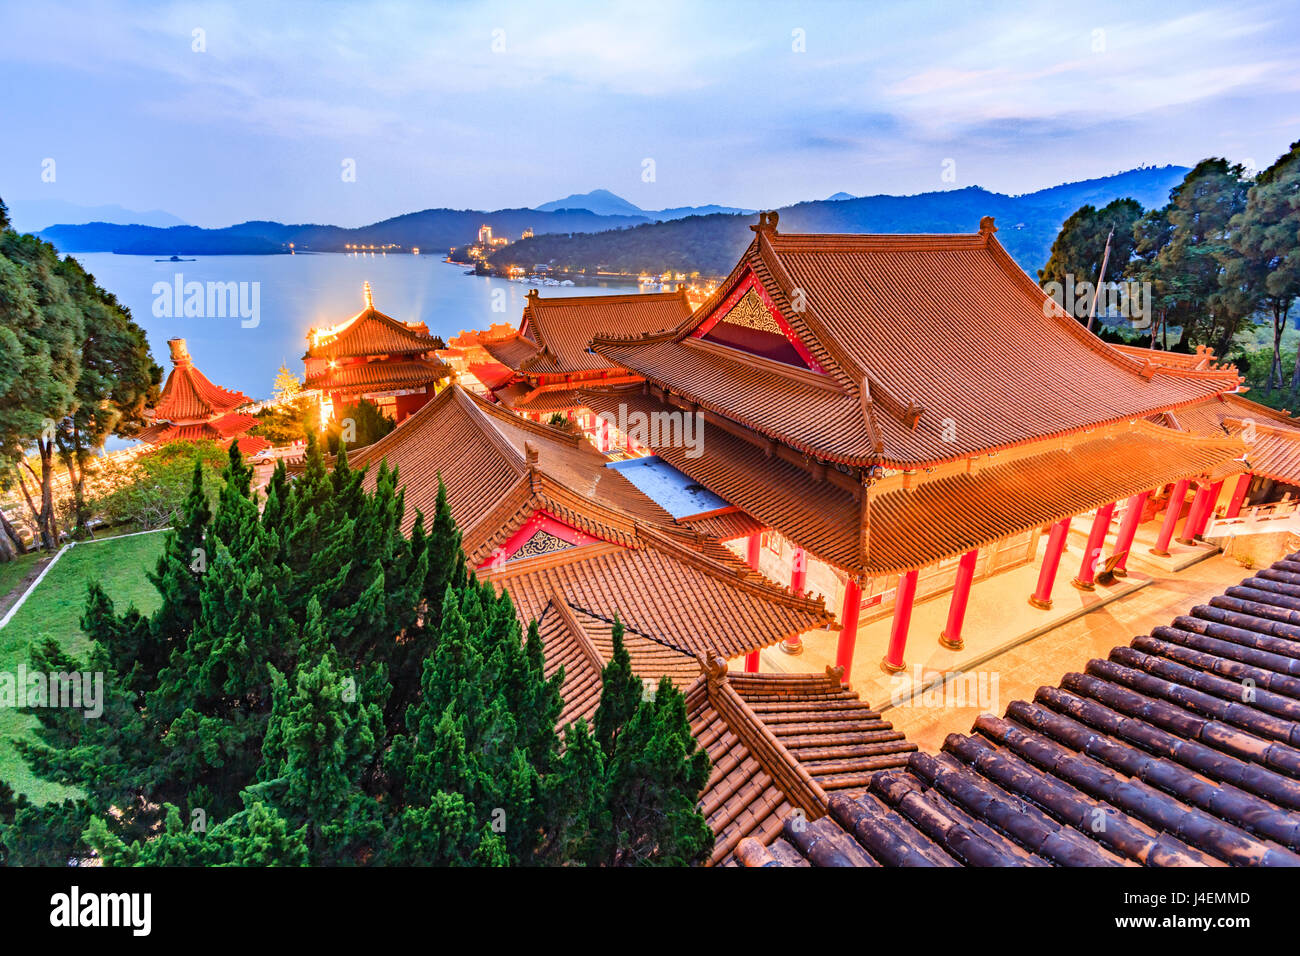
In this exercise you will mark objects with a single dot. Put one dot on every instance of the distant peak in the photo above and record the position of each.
(602, 202)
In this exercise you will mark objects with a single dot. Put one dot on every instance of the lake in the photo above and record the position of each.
(299, 292)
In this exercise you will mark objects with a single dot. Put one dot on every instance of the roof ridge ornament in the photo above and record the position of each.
(987, 228)
(766, 223)
(367, 295)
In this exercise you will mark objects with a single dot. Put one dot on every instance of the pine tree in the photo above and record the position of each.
(620, 693)
(652, 780)
(286, 384)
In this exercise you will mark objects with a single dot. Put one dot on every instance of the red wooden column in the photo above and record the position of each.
(1128, 530)
(1207, 513)
(848, 626)
(1042, 596)
(1173, 508)
(950, 636)
(752, 550)
(893, 662)
(798, 574)
(1092, 553)
(1238, 496)
(1199, 503)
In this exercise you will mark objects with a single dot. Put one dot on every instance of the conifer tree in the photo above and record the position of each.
(620, 693)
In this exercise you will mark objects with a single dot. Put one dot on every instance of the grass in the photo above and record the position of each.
(12, 572)
(54, 610)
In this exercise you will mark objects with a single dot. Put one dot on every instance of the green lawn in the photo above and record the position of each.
(54, 609)
(12, 572)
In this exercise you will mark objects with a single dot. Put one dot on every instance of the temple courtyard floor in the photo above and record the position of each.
(1012, 649)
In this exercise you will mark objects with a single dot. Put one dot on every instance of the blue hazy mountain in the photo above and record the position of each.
(690, 238)
(33, 215)
(605, 203)
(1027, 225)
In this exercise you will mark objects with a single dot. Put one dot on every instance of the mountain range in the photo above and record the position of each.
(605, 203)
(1027, 225)
(620, 236)
(33, 215)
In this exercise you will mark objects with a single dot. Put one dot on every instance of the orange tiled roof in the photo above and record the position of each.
(511, 350)
(948, 516)
(1157, 742)
(371, 332)
(931, 348)
(668, 584)
(1202, 359)
(379, 376)
(188, 396)
(583, 644)
(563, 327)
(906, 522)
(1272, 438)
(780, 743)
(191, 408)
(165, 433)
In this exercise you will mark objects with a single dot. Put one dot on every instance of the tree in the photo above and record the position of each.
(1266, 238)
(316, 687)
(1192, 265)
(41, 335)
(118, 379)
(286, 385)
(1080, 248)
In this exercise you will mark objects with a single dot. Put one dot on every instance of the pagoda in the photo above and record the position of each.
(373, 356)
(191, 408)
(904, 414)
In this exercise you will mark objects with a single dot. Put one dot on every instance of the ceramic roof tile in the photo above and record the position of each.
(947, 326)
(562, 328)
(668, 585)
(1157, 742)
(370, 332)
(378, 376)
(781, 743)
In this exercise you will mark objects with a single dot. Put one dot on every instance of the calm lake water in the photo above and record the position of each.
(299, 292)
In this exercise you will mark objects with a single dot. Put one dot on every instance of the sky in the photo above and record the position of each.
(220, 113)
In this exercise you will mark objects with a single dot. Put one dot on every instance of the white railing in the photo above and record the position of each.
(1278, 516)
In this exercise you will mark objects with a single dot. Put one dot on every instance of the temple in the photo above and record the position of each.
(906, 414)
(542, 364)
(884, 419)
(373, 356)
(191, 408)
(575, 544)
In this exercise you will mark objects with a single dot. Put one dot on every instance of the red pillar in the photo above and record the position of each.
(1042, 596)
(1173, 508)
(893, 662)
(1207, 512)
(950, 637)
(798, 574)
(752, 546)
(1092, 553)
(1238, 496)
(1128, 530)
(848, 626)
(1199, 504)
